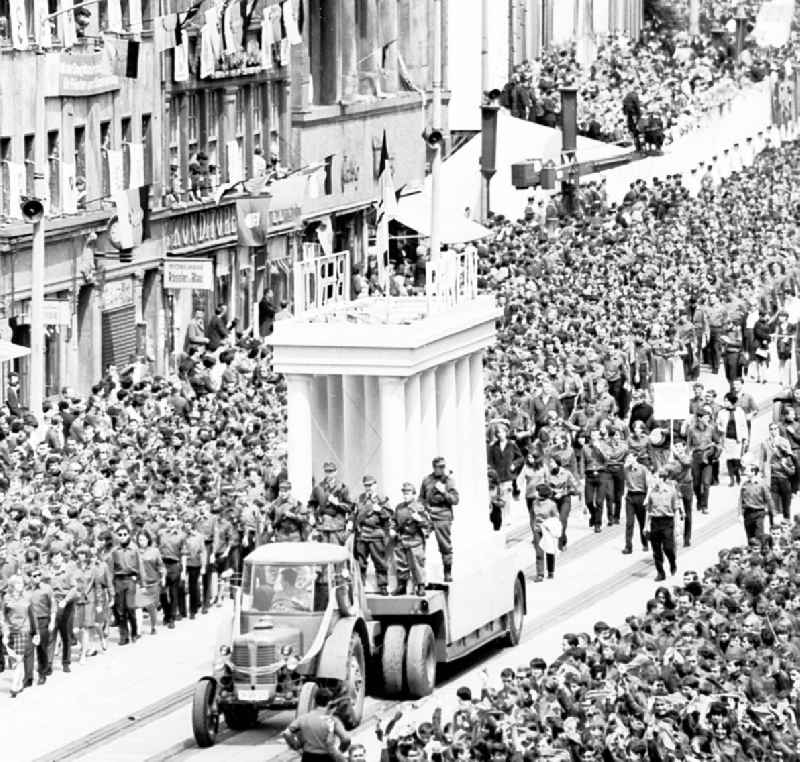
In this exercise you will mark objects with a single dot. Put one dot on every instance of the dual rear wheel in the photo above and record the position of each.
(408, 661)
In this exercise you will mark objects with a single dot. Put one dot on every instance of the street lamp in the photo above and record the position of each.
(33, 212)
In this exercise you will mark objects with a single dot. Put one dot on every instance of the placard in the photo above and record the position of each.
(196, 274)
(671, 400)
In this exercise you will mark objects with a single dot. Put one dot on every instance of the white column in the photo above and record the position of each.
(372, 430)
(464, 464)
(335, 428)
(298, 408)
(415, 463)
(353, 413)
(478, 417)
(393, 423)
(429, 445)
(446, 413)
(319, 426)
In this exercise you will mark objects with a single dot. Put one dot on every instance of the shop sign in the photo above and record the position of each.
(196, 274)
(54, 312)
(200, 227)
(117, 293)
(84, 74)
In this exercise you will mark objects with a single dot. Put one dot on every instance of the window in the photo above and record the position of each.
(192, 112)
(105, 146)
(147, 13)
(125, 7)
(80, 153)
(5, 175)
(174, 134)
(5, 22)
(102, 15)
(29, 144)
(212, 125)
(30, 17)
(256, 108)
(54, 170)
(125, 132)
(328, 175)
(147, 147)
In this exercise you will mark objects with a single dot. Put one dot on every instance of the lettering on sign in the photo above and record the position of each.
(200, 227)
(82, 74)
(189, 273)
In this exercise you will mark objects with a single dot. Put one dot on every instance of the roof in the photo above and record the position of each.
(298, 553)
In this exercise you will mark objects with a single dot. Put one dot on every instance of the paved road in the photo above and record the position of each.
(593, 581)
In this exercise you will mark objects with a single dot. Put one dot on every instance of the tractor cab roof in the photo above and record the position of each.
(299, 553)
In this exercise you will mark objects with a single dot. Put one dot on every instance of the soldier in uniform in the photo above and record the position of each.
(331, 505)
(289, 519)
(409, 528)
(371, 524)
(126, 569)
(438, 494)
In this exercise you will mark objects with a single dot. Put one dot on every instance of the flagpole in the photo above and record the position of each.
(436, 119)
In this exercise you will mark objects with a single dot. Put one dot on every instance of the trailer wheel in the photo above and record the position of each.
(307, 698)
(516, 617)
(393, 659)
(205, 717)
(421, 661)
(356, 681)
(240, 716)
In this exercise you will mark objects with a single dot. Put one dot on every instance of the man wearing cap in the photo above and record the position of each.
(438, 494)
(373, 516)
(409, 527)
(662, 504)
(126, 569)
(331, 505)
(289, 519)
(637, 480)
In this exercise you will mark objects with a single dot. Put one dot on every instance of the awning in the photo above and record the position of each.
(415, 212)
(9, 351)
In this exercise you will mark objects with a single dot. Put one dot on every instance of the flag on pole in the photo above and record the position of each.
(387, 210)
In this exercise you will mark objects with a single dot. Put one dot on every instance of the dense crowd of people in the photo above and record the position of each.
(644, 93)
(710, 670)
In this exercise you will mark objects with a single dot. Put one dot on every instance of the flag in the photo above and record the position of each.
(69, 197)
(387, 210)
(288, 24)
(136, 154)
(116, 180)
(133, 216)
(114, 22)
(19, 25)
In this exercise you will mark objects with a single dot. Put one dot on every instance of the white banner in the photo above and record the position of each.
(774, 23)
(19, 25)
(114, 22)
(235, 166)
(671, 400)
(136, 153)
(116, 180)
(17, 181)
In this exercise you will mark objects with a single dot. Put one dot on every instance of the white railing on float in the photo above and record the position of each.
(320, 280)
(451, 278)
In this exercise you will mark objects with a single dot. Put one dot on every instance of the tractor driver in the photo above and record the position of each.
(292, 593)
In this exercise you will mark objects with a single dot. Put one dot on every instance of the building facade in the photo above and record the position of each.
(209, 94)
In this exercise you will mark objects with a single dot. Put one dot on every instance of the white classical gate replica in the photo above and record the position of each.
(381, 386)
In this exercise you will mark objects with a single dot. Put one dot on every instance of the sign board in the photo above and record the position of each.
(84, 74)
(774, 23)
(117, 293)
(189, 273)
(54, 312)
(216, 223)
(671, 400)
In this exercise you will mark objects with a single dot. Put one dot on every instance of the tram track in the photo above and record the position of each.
(137, 720)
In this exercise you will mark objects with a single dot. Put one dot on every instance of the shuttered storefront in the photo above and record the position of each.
(119, 335)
